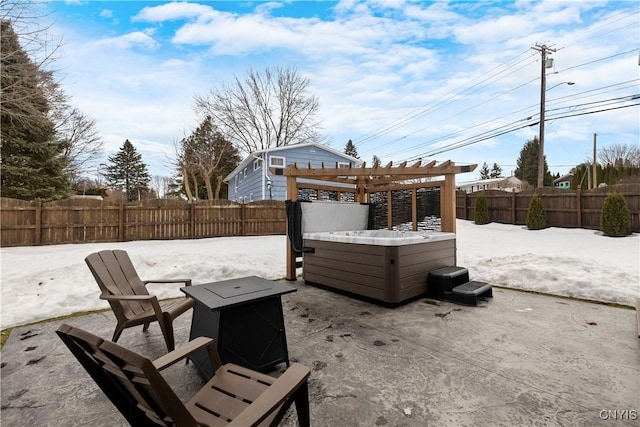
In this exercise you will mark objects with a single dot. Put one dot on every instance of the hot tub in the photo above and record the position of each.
(384, 265)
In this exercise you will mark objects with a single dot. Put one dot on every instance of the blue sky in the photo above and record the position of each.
(404, 80)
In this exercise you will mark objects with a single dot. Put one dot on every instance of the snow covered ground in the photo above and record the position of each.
(48, 281)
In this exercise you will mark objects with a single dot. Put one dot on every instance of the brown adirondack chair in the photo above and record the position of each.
(128, 296)
(235, 396)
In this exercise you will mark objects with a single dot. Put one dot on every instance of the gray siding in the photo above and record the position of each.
(250, 187)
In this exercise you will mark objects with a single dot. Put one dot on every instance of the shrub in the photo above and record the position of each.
(615, 217)
(481, 210)
(536, 216)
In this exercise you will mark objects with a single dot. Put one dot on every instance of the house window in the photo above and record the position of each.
(250, 197)
(236, 183)
(245, 172)
(343, 165)
(256, 164)
(276, 162)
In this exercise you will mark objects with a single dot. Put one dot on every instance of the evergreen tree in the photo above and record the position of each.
(481, 215)
(484, 171)
(32, 164)
(496, 171)
(128, 172)
(351, 150)
(615, 217)
(536, 216)
(527, 164)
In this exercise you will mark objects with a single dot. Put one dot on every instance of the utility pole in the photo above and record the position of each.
(543, 49)
(595, 170)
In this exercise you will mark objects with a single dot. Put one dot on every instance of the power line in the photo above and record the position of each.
(474, 140)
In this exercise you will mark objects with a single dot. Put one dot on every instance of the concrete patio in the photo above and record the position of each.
(518, 359)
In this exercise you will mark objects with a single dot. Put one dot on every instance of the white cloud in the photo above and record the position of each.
(370, 64)
(172, 11)
(128, 41)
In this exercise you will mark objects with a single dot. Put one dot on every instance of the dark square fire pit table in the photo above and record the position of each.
(244, 317)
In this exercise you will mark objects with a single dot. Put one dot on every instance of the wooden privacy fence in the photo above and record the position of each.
(26, 223)
(84, 220)
(564, 208)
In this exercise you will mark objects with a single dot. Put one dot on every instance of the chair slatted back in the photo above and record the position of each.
(140, 377)
(86, 348)
(116, 275)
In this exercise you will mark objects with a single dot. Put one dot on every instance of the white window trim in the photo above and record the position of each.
(236, 183)
(342, 165)
(256, 164)
(272, 158)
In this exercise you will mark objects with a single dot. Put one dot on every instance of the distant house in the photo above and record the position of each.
(563, 181)
(252, 181)
(505, 184)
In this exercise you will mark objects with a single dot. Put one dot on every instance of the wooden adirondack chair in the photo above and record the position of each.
(235, 396)
(128, 296)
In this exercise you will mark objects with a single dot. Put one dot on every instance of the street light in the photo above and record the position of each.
(543, 91)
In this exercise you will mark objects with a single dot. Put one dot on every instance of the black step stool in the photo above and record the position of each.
(445, 279)
(470, 292)
(452, 284)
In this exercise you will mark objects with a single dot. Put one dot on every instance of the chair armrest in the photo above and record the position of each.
(187, 282)
(126, 297)
(185, 350)
(273, 397)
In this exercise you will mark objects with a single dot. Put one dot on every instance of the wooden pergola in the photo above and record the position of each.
(362, 181)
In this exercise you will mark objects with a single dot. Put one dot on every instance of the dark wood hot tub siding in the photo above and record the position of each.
(390, 274)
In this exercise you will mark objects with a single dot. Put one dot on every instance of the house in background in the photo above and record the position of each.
(510, 183)
(563, 181)
(252, 181)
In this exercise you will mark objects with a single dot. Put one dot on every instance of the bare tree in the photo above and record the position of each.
(160, 185)
(272, 108)
(24, 19)
(203, 153)
(619, 155)
(74, 131)
(186, 164)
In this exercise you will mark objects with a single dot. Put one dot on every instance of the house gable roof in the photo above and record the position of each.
(564, 178)
(251, 157)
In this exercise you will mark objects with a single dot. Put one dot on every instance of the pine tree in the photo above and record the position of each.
(128, 172)
(32, 164)
(527, 164)
(496, 171)
(351, 150)
(536, 216)
(484, 171)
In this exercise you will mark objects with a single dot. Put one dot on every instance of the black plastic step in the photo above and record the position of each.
(469, 292)
(444, 279)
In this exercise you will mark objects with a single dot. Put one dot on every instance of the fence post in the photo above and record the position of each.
(121, 222)
(579, 206)
(464, 206)
(513, 206)
(192, 219)
(38, 223)
(242, 218)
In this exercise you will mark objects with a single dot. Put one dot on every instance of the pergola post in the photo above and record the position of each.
(448, 204)
(292, 194)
